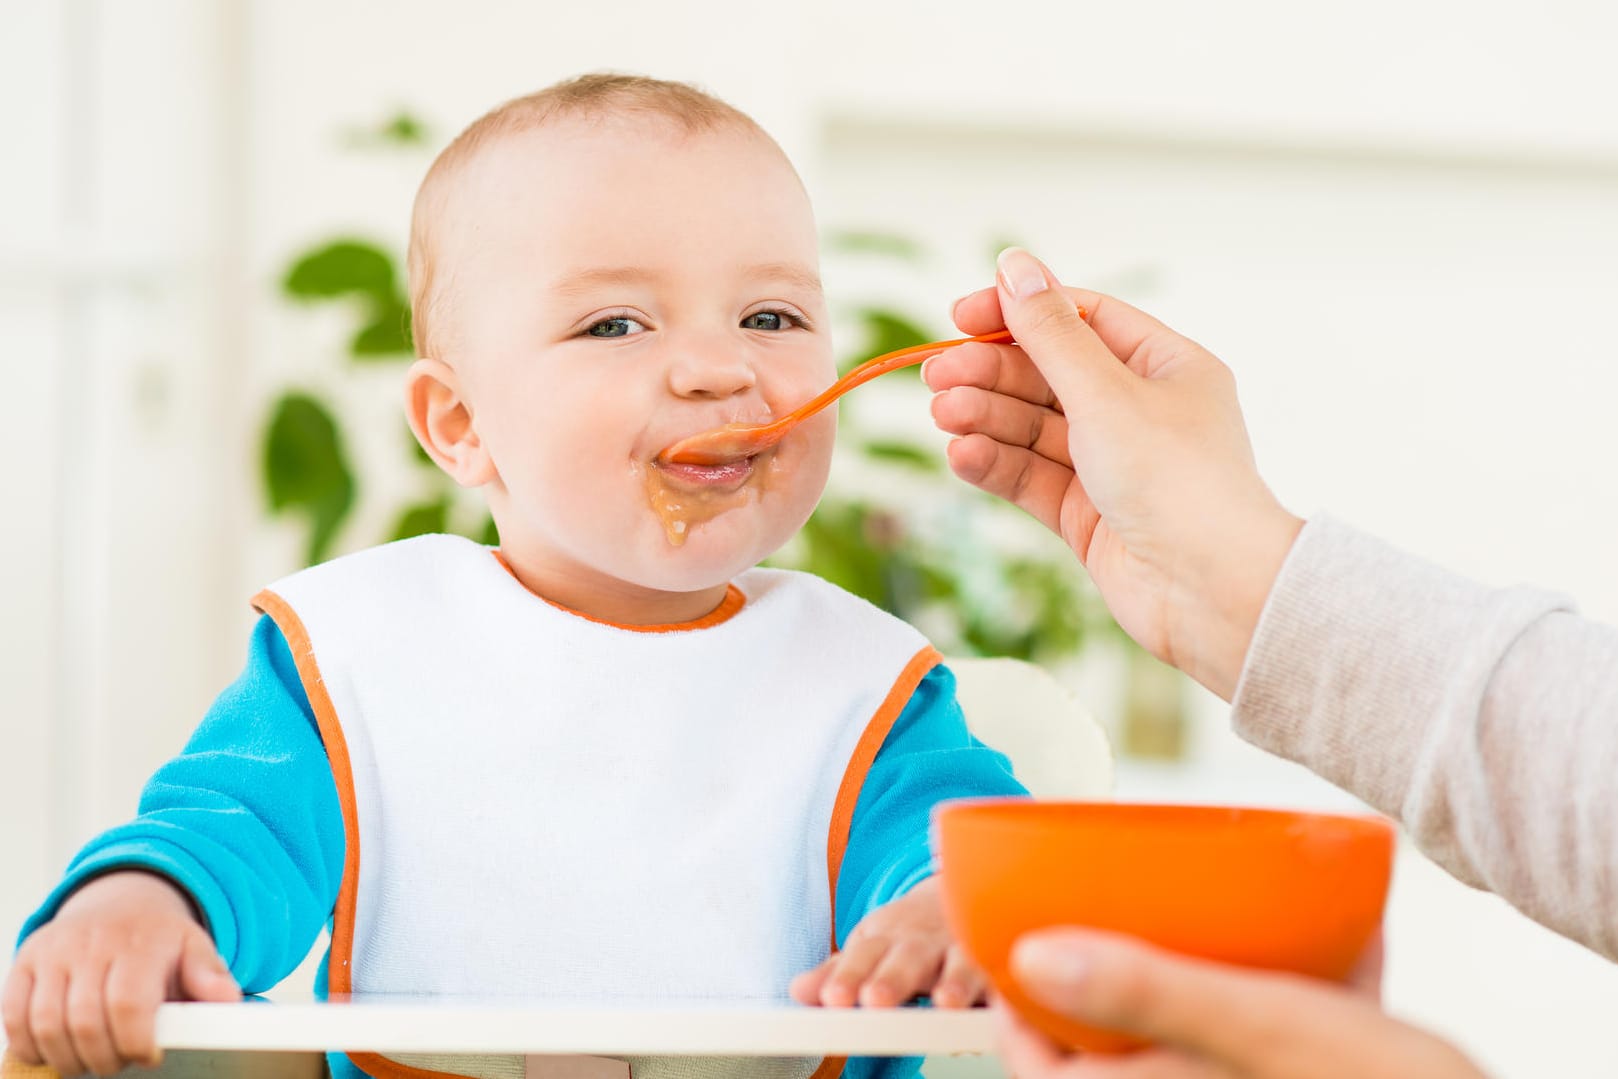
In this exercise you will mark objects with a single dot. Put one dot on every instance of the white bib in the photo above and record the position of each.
(542, 805)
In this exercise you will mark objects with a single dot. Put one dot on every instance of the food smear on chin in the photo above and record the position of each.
(681, 506)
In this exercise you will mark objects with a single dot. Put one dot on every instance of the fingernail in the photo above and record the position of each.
(1049, 968)
(1020, 273)
(924, 365)
(956, 304)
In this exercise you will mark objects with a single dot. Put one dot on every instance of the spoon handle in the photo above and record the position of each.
(881, 365)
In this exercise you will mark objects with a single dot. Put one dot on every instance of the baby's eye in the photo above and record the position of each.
(615, 327)
(767, 320)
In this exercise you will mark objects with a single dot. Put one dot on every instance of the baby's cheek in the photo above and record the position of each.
(819, 436)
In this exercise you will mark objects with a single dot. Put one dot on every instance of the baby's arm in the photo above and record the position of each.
(899, 946)
(235, 858)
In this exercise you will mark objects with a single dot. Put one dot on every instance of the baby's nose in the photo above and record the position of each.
(711, 374)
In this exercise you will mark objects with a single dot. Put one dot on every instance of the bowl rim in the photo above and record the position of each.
(1174, 814)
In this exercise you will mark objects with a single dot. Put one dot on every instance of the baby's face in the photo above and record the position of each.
(617, 286)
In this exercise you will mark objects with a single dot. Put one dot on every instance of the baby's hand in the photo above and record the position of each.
(899, 951)
(84, 992)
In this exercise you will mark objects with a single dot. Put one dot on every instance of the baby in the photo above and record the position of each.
(609, 760)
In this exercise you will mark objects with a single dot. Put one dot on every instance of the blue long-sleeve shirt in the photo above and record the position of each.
(247, 821)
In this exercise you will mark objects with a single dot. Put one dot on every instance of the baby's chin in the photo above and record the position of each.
(707, 554)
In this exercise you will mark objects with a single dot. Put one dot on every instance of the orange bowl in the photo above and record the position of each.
(1300, 892)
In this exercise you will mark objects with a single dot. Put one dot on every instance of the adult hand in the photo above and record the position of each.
(1206, 1020)
(1125, 439)
(84, 991)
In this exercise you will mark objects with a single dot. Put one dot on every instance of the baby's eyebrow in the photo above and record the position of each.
(789, 273)
(584, 280)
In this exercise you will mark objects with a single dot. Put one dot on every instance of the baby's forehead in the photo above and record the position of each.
(605, 179)
(530, 163)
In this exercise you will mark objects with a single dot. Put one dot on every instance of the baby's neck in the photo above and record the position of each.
(623, 605)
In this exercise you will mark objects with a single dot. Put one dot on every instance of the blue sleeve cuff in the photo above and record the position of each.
(918, 873)
(175, 864)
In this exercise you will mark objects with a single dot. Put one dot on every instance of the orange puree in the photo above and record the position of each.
(681, 507)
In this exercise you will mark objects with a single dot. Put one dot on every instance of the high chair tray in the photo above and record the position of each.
(414, 1024)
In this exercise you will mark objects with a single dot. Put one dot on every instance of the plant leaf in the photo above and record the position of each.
(903, 453)
(343, 268)
(386, 336)
(873, 242)
(418, 452)
(886, 331)
(305, 470)
(421, 519)
(1000, 243)
(834, 548)
(404, 129)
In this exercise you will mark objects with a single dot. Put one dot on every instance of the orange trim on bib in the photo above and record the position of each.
(339, 979)
(339, 971)
(380, 1067)
(859, 765)
(830, 1068)
(733, 602)
(848, 793)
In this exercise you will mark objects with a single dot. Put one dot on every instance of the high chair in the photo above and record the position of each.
(1056, 747)
(1053, 743)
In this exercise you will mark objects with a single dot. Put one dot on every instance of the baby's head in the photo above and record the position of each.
(596, 271)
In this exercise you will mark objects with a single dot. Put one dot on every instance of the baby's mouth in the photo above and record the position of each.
(726, 476)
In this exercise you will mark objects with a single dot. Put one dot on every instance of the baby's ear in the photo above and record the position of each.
(442, 422)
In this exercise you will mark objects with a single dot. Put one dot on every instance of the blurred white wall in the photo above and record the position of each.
(1398, 222)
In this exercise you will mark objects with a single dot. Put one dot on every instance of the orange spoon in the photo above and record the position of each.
(737, 440)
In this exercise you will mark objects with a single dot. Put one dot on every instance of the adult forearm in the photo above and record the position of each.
(1486, 720)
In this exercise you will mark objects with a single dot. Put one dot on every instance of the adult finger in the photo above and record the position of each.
(962, 984)
(14, 1003)
(1150, 1064)
(906, 968)
(1127, 331)
(1020, 476)
(47, 1017)
(979, 312)
(1212, 1010)
(87, 1019)
(1366, 977)
(135, 987)
(1029, 1054)
(1120, 984)
(1050, 329)
(1025, 1051)
(1003, 369)
(967, 409)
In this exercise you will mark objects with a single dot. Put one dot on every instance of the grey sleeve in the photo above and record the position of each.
(1485, 720)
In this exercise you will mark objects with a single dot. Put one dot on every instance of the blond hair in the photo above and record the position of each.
(690, 109)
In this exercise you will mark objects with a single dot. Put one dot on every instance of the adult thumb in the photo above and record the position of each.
(1123, 985)
(203, 975)
(1051, 330)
